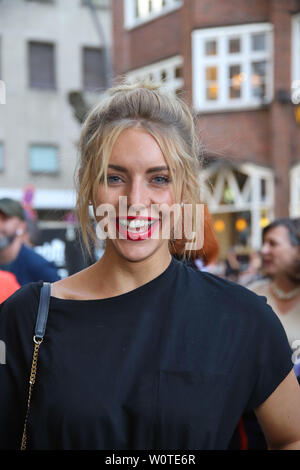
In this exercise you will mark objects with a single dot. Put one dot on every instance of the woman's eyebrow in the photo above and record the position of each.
(150, 170)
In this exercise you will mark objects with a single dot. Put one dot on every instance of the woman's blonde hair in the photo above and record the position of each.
(166, 117)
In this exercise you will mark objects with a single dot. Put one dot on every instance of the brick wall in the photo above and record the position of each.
(206, 13)
(237, 136)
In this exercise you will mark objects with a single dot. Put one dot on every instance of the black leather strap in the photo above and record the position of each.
(42, 316)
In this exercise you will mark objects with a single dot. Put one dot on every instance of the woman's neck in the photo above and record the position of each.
(284, 283)
(118, 275)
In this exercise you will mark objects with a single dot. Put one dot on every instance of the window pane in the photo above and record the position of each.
(41, 65)
(43, 159)
(210, 47)
(258, 78)
(94, 71)
(234, 45)
(1, 157)
(163, 75)
(178, 72)
(136, 8)
(258, 42)
(157, 5)
(143, 8)
(211, 75)
(235, 80)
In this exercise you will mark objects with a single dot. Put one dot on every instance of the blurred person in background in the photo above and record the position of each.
(15, 256)
(253, 271)
(32, 233)
(8, 285)
(232, 265)
(293, 273)
(281, 287)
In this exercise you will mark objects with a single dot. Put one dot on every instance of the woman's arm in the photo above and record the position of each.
(279, 415)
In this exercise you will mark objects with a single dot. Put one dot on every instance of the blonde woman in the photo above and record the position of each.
(141, 351)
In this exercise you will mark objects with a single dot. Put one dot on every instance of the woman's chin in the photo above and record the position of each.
(138, 250)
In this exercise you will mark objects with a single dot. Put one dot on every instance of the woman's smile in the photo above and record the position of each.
(136, 228)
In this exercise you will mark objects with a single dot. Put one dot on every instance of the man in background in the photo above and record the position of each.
(15, 256)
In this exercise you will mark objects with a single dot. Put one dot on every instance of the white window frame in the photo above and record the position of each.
(169, 66)
(130, 20)
(295, 191)
(295, 72)
(223, 59)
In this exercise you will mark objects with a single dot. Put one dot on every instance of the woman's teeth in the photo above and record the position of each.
(136, 224)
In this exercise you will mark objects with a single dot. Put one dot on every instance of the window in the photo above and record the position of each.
(232, 67)
(167, 72)
(42, 66)
(43, 159)
(1, 157)
(94, 69)
(140, 11)
(296, 59)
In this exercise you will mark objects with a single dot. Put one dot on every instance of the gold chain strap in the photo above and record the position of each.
(37, 343)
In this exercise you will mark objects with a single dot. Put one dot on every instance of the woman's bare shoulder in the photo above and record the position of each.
(75, 287)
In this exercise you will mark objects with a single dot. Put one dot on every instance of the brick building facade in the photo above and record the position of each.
(235, 62)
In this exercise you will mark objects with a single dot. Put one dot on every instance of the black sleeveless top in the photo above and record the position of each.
(172, 364)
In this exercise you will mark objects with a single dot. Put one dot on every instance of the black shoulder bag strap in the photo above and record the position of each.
(39, 332)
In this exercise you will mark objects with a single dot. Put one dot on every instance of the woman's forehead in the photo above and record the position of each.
(136, 147)
(279, 233)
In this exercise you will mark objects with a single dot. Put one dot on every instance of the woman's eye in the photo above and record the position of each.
(162, 179)
(113, 179)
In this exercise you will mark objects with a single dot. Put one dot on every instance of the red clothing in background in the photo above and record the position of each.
(8, 285)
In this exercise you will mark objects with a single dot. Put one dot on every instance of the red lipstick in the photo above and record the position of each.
(143, 233)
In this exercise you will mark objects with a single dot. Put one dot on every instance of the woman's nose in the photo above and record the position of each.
(138, 194)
